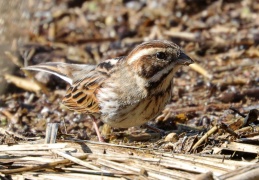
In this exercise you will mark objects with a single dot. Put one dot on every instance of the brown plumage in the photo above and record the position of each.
(126, 91)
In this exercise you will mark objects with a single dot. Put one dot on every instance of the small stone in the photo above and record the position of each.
(172, 137)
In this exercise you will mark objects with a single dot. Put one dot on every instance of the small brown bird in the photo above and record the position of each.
(122, 92)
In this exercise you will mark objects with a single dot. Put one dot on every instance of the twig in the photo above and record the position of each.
(76, 160)
(23, 83)
(51, 133)
(40, 167)
(205, 136)
(196, 67)
(182, 35)
(248, 172)
(228, 129)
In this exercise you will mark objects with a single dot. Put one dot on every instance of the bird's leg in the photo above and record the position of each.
(100, 138)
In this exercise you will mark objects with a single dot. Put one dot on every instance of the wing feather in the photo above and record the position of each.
(85, 81)
(81, 96)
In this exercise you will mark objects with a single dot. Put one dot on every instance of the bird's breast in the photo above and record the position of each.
(128, 102)
(128, 115)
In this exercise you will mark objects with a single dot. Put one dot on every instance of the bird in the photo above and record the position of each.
(125, 91)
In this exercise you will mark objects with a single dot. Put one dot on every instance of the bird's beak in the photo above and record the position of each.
(183, 59)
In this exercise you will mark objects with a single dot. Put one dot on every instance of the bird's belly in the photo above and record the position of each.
(135, 114)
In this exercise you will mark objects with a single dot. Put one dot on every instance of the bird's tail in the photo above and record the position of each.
(65, 71)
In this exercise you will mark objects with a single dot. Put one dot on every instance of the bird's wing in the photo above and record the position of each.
(81, 96)
(85, 81)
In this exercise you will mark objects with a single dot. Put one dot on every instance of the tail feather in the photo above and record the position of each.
(67, 72)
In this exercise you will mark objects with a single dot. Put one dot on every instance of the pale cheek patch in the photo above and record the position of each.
(166, 70)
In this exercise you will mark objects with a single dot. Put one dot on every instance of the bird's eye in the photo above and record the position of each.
(161, 55)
